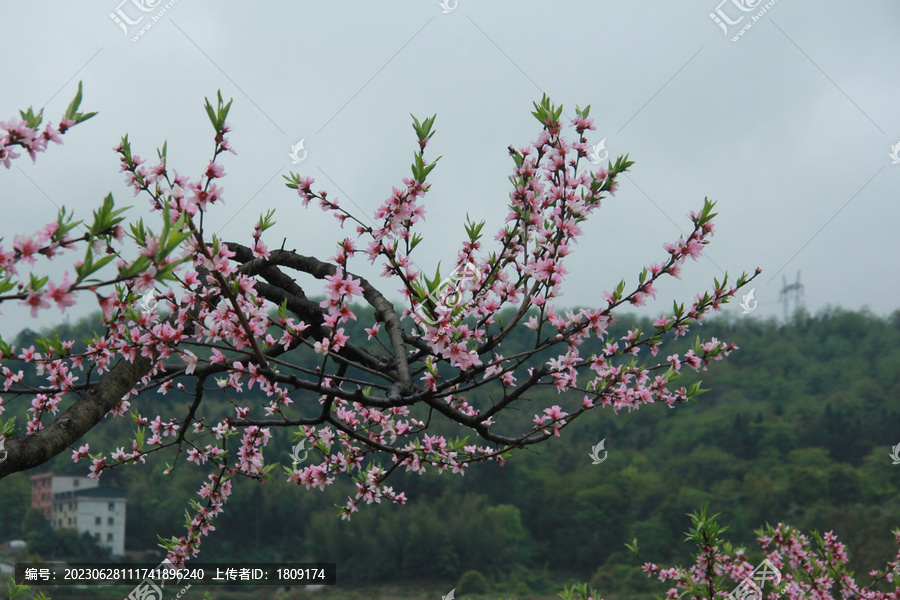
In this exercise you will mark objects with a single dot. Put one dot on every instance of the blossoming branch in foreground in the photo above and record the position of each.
(218, 295)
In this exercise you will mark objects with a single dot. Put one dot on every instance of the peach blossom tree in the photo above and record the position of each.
(228, 316)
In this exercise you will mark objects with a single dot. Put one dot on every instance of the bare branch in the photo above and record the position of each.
(384, 310)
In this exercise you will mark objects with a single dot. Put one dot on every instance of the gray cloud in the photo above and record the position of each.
(789, 128)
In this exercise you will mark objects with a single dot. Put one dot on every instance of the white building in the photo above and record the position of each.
(81, 503)
(100, 511)
(45, 485)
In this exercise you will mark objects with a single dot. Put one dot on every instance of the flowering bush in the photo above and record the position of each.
(233, 313)
(796, 569)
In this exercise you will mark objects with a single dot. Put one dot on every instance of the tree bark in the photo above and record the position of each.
(26, 452)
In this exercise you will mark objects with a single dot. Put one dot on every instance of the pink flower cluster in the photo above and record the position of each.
(19, 134)
(805, 571)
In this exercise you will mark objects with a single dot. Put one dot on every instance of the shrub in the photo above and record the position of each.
(472, 582)
(603, 580)
(521, 590)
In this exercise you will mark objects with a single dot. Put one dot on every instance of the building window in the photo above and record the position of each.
(97, 536)
(70, 506)
(109, 537)
(109, 521)
(112, 506)
(98, 521)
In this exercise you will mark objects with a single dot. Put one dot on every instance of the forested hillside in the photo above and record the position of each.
(797, 426)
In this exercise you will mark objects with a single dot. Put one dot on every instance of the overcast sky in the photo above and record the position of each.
(790, 128)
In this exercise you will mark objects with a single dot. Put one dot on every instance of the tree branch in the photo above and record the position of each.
(384, 310)
(26, 452)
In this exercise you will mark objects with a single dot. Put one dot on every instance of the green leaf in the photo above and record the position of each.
(267, 221)
(139, 434)
(223, 111)
(33, 120)
(64, 224)
(695, 390)
(6, 284)
(72, 113)
(137, 267)
(72, 110)
(545, 112)
(81, 118)
(105, 218)
(212, 114)
(8, 428)
(473, 230)
(423, 129)
(633, 546)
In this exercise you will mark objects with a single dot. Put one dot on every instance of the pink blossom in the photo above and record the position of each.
(190, 359)
(82, 452)
(214, 170)
(61, 294)
(27, 247)
(555, 412)
(35, 300)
